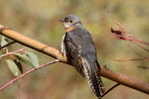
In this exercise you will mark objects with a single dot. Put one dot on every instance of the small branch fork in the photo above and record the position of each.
(50, 51)
(12, 53)
(8, 83)
(10, 43)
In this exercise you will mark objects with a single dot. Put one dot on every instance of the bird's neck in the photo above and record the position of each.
(71, 28)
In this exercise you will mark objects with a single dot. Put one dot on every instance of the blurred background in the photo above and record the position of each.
(38, 19)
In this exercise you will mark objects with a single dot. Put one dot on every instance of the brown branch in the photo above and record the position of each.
(50, 51)
(18, 37)
(8, 83)
(125, 80)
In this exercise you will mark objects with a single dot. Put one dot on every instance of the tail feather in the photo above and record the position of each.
(94, 81)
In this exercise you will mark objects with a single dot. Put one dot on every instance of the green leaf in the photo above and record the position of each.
(33, 58)
(23, 58)
(28, 58)
(19, 65)
(3, 41)
(13, 67)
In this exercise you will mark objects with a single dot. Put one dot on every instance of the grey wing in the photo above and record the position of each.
(87, 51)
(63, 47)
(72, 51)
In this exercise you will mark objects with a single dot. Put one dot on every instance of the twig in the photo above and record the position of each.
(11, 53)
(7, 45)
(114, 86)
(145, 49)
(121, 34)
(8, 83)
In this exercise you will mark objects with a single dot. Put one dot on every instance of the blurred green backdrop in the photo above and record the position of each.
(38, 19)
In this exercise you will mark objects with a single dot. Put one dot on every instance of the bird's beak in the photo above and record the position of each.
(61, 20)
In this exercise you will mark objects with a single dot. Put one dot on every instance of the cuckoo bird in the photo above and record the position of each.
(78, 46)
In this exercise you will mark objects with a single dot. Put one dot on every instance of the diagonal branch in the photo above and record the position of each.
(18, 37)
(125, 80)
(50, 51)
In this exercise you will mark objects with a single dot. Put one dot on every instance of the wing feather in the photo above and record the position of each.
(94, 80)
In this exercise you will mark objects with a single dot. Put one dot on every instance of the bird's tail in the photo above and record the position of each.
(91, 73)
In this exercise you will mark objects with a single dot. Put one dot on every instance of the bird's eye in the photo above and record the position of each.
(70, 21)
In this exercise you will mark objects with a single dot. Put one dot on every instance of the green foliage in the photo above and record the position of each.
(15, 62)
(13, 67)
(3, 41)
(33, 58)
(28, 58)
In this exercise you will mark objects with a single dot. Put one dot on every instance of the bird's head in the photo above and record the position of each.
(70, 21)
